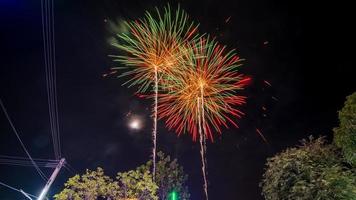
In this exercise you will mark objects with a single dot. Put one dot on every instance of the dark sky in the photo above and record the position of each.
(302, 49)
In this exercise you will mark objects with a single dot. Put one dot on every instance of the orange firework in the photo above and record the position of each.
(152, 48)
(153, 45)
(205, 90)
(203, 93)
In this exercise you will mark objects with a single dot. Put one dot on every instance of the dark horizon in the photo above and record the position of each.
(298, 47)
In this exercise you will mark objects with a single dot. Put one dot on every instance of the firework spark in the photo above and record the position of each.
(153, 44)
(212, 75)
(153, 47)
(203, 93)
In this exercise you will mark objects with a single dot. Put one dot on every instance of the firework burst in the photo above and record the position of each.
(153, 44)
(203, 94)
(153, 47)
(211, 78)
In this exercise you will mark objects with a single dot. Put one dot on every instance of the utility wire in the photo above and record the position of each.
(17, 190)
(47, 13)
(46, 62)
(55, 80)
(22, 161)
(25, 158)
(22, 144)
(28, 164)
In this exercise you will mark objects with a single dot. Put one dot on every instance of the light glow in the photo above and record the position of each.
(135, 124)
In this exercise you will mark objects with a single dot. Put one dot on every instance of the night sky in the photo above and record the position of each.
(301, 49)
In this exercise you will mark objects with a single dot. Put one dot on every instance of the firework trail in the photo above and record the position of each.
(153, 47)
(195, 80)
(154, 134)
(213, 73)
(202, 140)
(203, 93)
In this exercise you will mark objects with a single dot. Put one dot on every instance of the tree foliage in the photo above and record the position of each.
(312, 171)
(131, 185)
(89, 186)
(345, 134)
(137, 184)
(93, 185)
(170, 177)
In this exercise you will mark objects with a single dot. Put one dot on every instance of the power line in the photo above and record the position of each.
(46, 62)
(27, 164)
(55, 80)
(47, 13)
(50, 77)
(43, 176)
(25, 158)
(17, 190)
(69, 168)
(23, 161)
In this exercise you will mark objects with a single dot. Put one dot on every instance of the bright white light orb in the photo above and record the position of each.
(135, 124)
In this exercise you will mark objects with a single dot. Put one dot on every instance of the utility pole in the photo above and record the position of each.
(51, 179)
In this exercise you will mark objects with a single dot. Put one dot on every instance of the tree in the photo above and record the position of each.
(132, 185)
(345, 134)
(314, 170)
(93, 185)
(90, 186)
(170, 177)
(137, 184)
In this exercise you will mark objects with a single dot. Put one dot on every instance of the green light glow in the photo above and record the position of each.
(173, 195)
